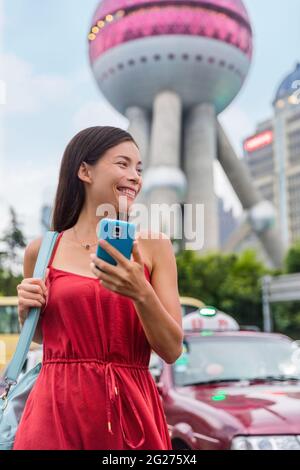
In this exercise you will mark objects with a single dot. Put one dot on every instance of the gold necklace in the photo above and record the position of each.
(87, 246)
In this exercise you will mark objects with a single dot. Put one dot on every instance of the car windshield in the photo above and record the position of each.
(209, 359)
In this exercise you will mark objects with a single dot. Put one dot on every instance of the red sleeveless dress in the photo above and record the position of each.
(94, 390)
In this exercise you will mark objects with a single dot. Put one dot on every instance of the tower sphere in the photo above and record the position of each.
(200, 49)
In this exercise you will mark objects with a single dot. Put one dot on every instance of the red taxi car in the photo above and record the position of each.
(231, 389)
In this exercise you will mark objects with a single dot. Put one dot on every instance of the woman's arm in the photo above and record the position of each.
(159, 309)
(30, 257)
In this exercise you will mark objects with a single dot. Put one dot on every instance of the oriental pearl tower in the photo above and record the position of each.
(171, 67)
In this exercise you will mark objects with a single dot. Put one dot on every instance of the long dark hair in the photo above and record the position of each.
(87, 146)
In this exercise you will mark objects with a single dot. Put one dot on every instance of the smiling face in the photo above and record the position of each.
(116, 177)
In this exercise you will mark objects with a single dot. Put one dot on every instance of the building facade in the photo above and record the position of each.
(272, 155)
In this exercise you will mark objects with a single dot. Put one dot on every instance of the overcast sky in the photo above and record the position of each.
(51, 93)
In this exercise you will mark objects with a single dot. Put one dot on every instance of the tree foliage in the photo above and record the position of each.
(12, 242)
(232, 283)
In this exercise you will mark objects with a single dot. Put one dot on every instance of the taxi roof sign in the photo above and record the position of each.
(216, 321)
(208, 311)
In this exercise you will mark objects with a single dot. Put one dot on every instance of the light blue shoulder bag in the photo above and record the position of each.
(14, 393)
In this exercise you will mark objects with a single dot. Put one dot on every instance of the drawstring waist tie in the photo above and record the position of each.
(112, 394)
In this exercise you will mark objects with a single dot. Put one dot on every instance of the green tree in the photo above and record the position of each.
(12, 242)
(292, 259)
(286, 315)
(231, 282)
(241, 289)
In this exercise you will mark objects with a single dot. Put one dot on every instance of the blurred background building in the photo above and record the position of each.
(227, 222)
(46, 208)
(273, 157)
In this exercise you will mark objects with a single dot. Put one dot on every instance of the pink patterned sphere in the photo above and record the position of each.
(200, 49)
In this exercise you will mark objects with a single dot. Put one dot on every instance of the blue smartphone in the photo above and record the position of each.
(120, 234)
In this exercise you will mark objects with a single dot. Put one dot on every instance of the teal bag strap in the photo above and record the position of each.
(31, 321)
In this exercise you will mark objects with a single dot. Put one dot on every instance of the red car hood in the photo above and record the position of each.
(253, 409)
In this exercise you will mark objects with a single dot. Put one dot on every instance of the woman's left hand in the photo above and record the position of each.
(127, 277)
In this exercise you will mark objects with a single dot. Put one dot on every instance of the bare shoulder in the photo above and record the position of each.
(157, 245)
(30, 256)
(32, 249)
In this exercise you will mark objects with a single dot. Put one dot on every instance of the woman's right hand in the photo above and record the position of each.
(32, 292)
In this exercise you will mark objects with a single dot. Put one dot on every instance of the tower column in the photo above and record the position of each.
(199, 155)
(164, 181)
(166, 130)
(139, 128)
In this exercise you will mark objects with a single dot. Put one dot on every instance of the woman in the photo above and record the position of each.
(95, 390)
